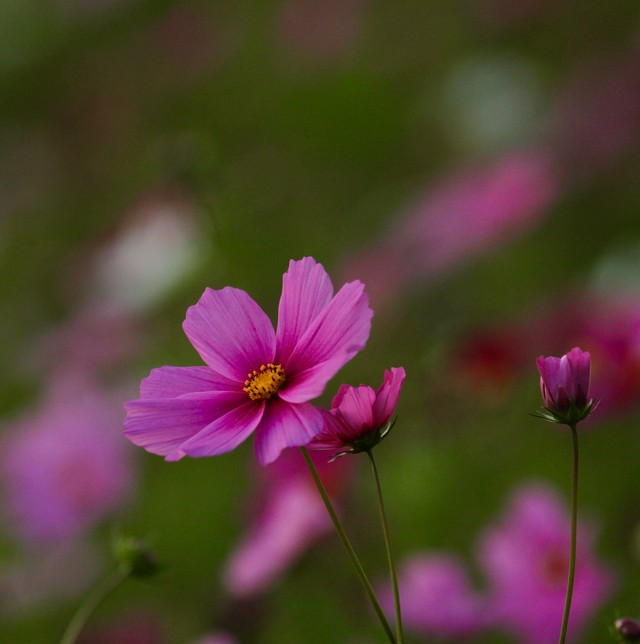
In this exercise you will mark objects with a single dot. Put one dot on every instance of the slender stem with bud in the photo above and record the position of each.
(574, 531)
(349, 548)
(91, 602)
(387, 543)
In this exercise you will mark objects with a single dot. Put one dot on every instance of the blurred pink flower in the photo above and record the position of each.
(525, 556)
(462, 216)
(596, 120)
(320, 29)
(437, 597)
(64, 465)
(204, 411)
(360, 417)
(290, 517)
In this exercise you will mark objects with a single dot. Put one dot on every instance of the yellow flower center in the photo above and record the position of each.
(263, 384)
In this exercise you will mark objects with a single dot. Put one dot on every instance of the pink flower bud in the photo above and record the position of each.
(564, 383)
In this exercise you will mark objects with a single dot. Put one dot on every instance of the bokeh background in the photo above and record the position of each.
(475, 163)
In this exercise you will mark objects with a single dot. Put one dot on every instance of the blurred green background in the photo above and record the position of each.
(278, 129)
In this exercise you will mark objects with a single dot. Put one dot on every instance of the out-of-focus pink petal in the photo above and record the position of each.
(306, 291)
(388, 395)
(526, 557)
(172, 382)
(225, 432)
(294, 517)
(64, 466)
(334, 337)
(437, 597)
(285, 425)
(161, 426)
(232, 334)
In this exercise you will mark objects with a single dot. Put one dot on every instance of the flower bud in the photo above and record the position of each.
(134, 557)
(628, 628)
(564, 383)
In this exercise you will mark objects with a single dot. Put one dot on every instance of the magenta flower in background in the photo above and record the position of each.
(360, 417)
(437, 597)
(256, 379)
(65, 466)
(289, 518)
(525, 556)
(564, 383)
(462, 216)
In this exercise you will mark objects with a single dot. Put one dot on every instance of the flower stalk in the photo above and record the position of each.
(574, 533)
(349, 548)
(387, 542)
(133, 558)
(104, 588)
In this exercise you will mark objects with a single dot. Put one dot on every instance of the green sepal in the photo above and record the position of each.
(571, 416)
(134, 557)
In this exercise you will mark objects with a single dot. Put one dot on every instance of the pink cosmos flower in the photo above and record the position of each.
(290, 516)
(437, 597)
(360, 417)
(64, 466)
(564, 383)
(526, 557)
(256, 379)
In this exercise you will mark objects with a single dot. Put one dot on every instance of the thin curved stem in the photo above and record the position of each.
(90, 603)
(348, 547)
(387, 543)
(574, 532)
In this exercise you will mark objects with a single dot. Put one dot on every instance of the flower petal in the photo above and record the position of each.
(226, 432)
(387, 395)
(356, 407)
(306, 291)
(292, 518)
(161, 426)
(334, 337)
(172, 382)
(232, 334)
(580, 363)
(285, 425)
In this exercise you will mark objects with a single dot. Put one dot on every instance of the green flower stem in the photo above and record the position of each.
(91, 602)
(574, 532)
(387, 543)
(348, 547)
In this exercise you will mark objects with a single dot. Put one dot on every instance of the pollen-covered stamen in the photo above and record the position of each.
(265, 382)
